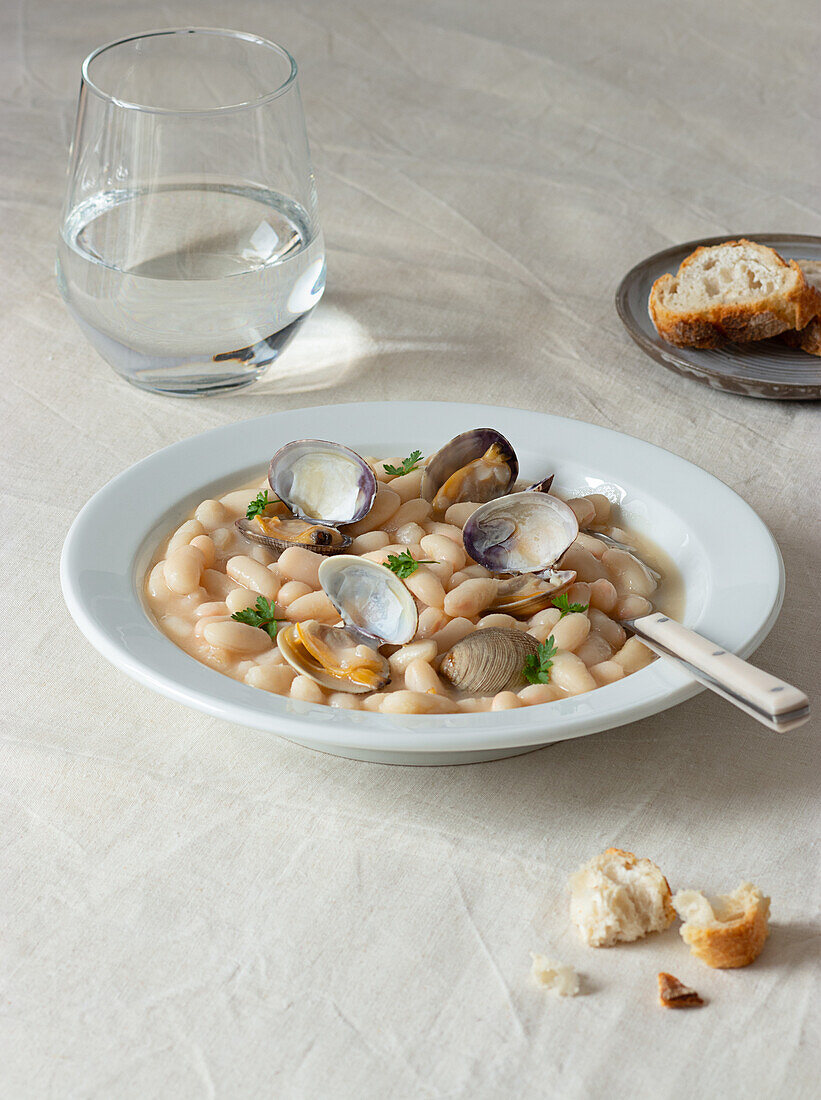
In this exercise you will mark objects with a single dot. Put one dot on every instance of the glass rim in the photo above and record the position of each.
(221, 32)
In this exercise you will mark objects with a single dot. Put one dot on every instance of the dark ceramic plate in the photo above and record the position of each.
(764, 368)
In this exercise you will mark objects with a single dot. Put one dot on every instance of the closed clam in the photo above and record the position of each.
(489, 661)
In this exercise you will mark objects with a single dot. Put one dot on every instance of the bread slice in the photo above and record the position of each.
(809, 337)
(616, 897)
(738, 290)
(675, 994)
(727, 931)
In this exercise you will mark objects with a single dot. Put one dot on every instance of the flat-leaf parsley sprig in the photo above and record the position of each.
(538, 665)
(404, 565)
(566, 607)
(407, 466)
(262, 615)
(259, 504)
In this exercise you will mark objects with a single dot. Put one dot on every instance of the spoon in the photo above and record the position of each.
(773, 702)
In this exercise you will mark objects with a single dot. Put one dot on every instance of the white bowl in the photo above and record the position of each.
(732, 569)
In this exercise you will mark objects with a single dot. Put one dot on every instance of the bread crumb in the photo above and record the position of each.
(616, 897)
(554, 976)
(727, 931)
(675, 994)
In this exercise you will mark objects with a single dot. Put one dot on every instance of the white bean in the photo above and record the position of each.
(212, 514)
(506, 700)
(306, 689)
(385, 504)
(371, 540)
(252, 574)
(585, 511)
(290, 591)
(236, 503)
(183, 569)
(499, 622)
(215, 607)
(603, 595)
(238, 637)
(459, 514)
(415, 651)
(201, 624)
(612, 632)
(471, 597)
(407, 485)
(217, 584)
(570, 674)
(183, 535)
(239, 599)
(344, 700)
(409, 534)
(313, 605)
(473, 571)
(416, 702)
(374, 701)
(446, 530)
(426, 587)
(271, 677)
(380, 471)
(571, 631)
(579, 593)
(633, 655)
(419, 676)
(443, 549)
(223, 537)
(456, 579)
(631, 607)
(451, 633)
(607, 672)
(594, 649)
(587, 567)
(603, 507)
(431, 620)
(538, 693)
(262, 554)
(412, 511)
(628, 575)
(587, 542)
(157, 588)
(205, 545)
(298, 564)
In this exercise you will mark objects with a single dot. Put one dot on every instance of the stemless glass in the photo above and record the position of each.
(189, 248)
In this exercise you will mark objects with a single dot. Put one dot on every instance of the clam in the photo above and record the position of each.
(478, 466)
(524, 534)
(489, 661)
(375, 607)
(323, 482)
(280, 532)
(521, 533)
(542, 486)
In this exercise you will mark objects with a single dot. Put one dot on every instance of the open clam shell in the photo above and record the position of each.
(478, 465)
(369, 598)
(323, 482)
(334, 656)
(525, 594)
(280, 532)
(520, 533)
(489, 661)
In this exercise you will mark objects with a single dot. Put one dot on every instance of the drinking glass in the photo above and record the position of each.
(190, 249)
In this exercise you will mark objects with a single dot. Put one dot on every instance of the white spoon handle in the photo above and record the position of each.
(771, 701)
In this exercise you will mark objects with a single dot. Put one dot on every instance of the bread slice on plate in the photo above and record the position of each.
(808, 338)
(727, 931)
(738, 290)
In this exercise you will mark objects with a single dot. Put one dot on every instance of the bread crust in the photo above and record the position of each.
(675, 994)
(808, 339)
(768, 316)
(727, 945)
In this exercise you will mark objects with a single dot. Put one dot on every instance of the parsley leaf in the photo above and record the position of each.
(408, 465)
(404, 565)
(263, 616)
(259, 504)
(567, 608)
(537, 665)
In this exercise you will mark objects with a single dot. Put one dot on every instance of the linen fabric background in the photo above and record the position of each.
(191, 909)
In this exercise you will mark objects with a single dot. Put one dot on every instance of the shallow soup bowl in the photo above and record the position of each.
(730, 565)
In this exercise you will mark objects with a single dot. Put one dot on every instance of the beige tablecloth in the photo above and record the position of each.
(191, 909)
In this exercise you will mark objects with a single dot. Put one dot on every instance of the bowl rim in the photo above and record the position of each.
(102, 589)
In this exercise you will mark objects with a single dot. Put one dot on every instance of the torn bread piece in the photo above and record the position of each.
(554, 976)
(726, 931)
(738, 290)
(675, 994)
(616, 897)
(809, 337)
